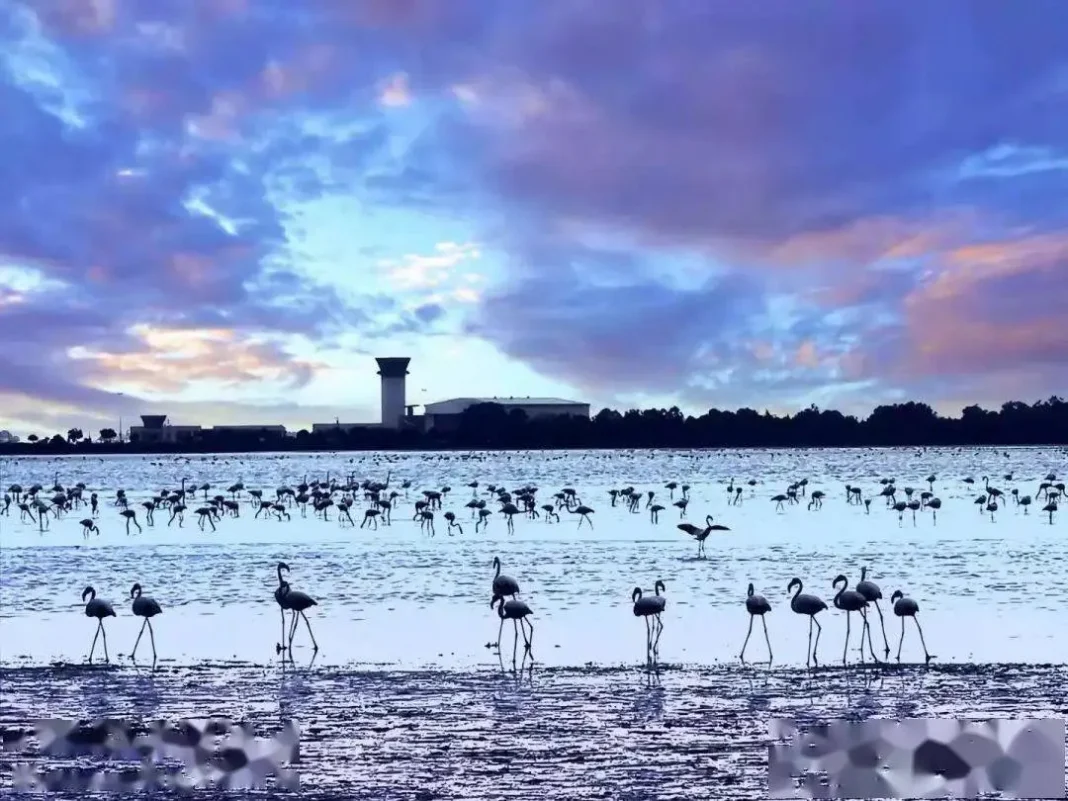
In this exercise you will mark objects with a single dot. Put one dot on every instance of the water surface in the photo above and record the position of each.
(988, 589)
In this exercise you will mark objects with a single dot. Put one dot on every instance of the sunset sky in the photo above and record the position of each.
(222, 210)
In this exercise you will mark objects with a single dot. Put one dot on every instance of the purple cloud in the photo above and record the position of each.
(828, 173)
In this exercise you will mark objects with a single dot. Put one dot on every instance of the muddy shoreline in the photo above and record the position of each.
(572, 732)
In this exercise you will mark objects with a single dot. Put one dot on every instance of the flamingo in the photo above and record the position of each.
(850, 601)
(145, 607)
(298, 602)
(100, 609)
(517, 612)
(131, 517)
(701, 534)
(872, 592)
(756, 605)
(584, 513)
(279, 596)
(503, 585)
(906, 607)
(650, 608)
(89, 526)
(809, 605)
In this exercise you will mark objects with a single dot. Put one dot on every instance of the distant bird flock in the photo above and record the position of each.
(378, 502)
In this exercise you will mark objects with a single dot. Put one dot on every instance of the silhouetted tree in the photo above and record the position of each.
(32, 438)
(74, 434)
(108, 434)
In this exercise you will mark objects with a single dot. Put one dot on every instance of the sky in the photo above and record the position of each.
(223, 210)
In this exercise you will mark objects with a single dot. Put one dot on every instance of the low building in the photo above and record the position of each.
(408, 421)
(155, 428)
(341, 428)
(445, 415)
(273, 430)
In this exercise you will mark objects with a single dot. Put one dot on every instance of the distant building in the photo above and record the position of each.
(155, 428)
(274, 430)
(344, 428)
(445, 415)
(7, 438)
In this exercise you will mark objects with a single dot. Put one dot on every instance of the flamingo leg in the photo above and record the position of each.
(104, 638)
(292, 631)
(515, 640)
(530, 640)
(744, 644)
(137, 642)
(281, 645)
(926, 655)
(871, 647)
(500, 632)
(882, 625)
(315, 645)
(656, 642)
(816, 645)
(152, 639)
(92, 648)
(901, 641)
(808, 653)
(845, 648)
(648, 643)
(864, 628)
(767, 639)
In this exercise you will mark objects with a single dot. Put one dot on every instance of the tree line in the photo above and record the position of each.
(492, 426)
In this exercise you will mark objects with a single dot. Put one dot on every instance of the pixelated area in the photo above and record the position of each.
(920, 757)
(192, 753)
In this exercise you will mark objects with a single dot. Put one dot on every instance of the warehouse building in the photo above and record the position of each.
(445, 415)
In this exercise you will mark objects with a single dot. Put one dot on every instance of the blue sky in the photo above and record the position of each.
(225, 210)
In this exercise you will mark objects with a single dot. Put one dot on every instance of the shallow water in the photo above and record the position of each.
(405, 700)
(558, 732)
(989, 590)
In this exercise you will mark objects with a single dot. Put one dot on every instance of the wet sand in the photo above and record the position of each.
(553, 732)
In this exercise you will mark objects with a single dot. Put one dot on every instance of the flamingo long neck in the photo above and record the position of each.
(91, 594)
(500, 608)
(749, 591)
(497, 567)
(281, 581)
(838, 595)
(797, 592)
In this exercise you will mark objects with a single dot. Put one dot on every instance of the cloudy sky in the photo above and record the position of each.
(224, 209)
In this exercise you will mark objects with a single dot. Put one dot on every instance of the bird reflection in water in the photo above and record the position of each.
(295, 669)
(649, 702)
(144, 688)
(759, 694)
(860, 689)
(524, 670)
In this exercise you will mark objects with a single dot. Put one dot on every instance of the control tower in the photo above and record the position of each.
(393, 370)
